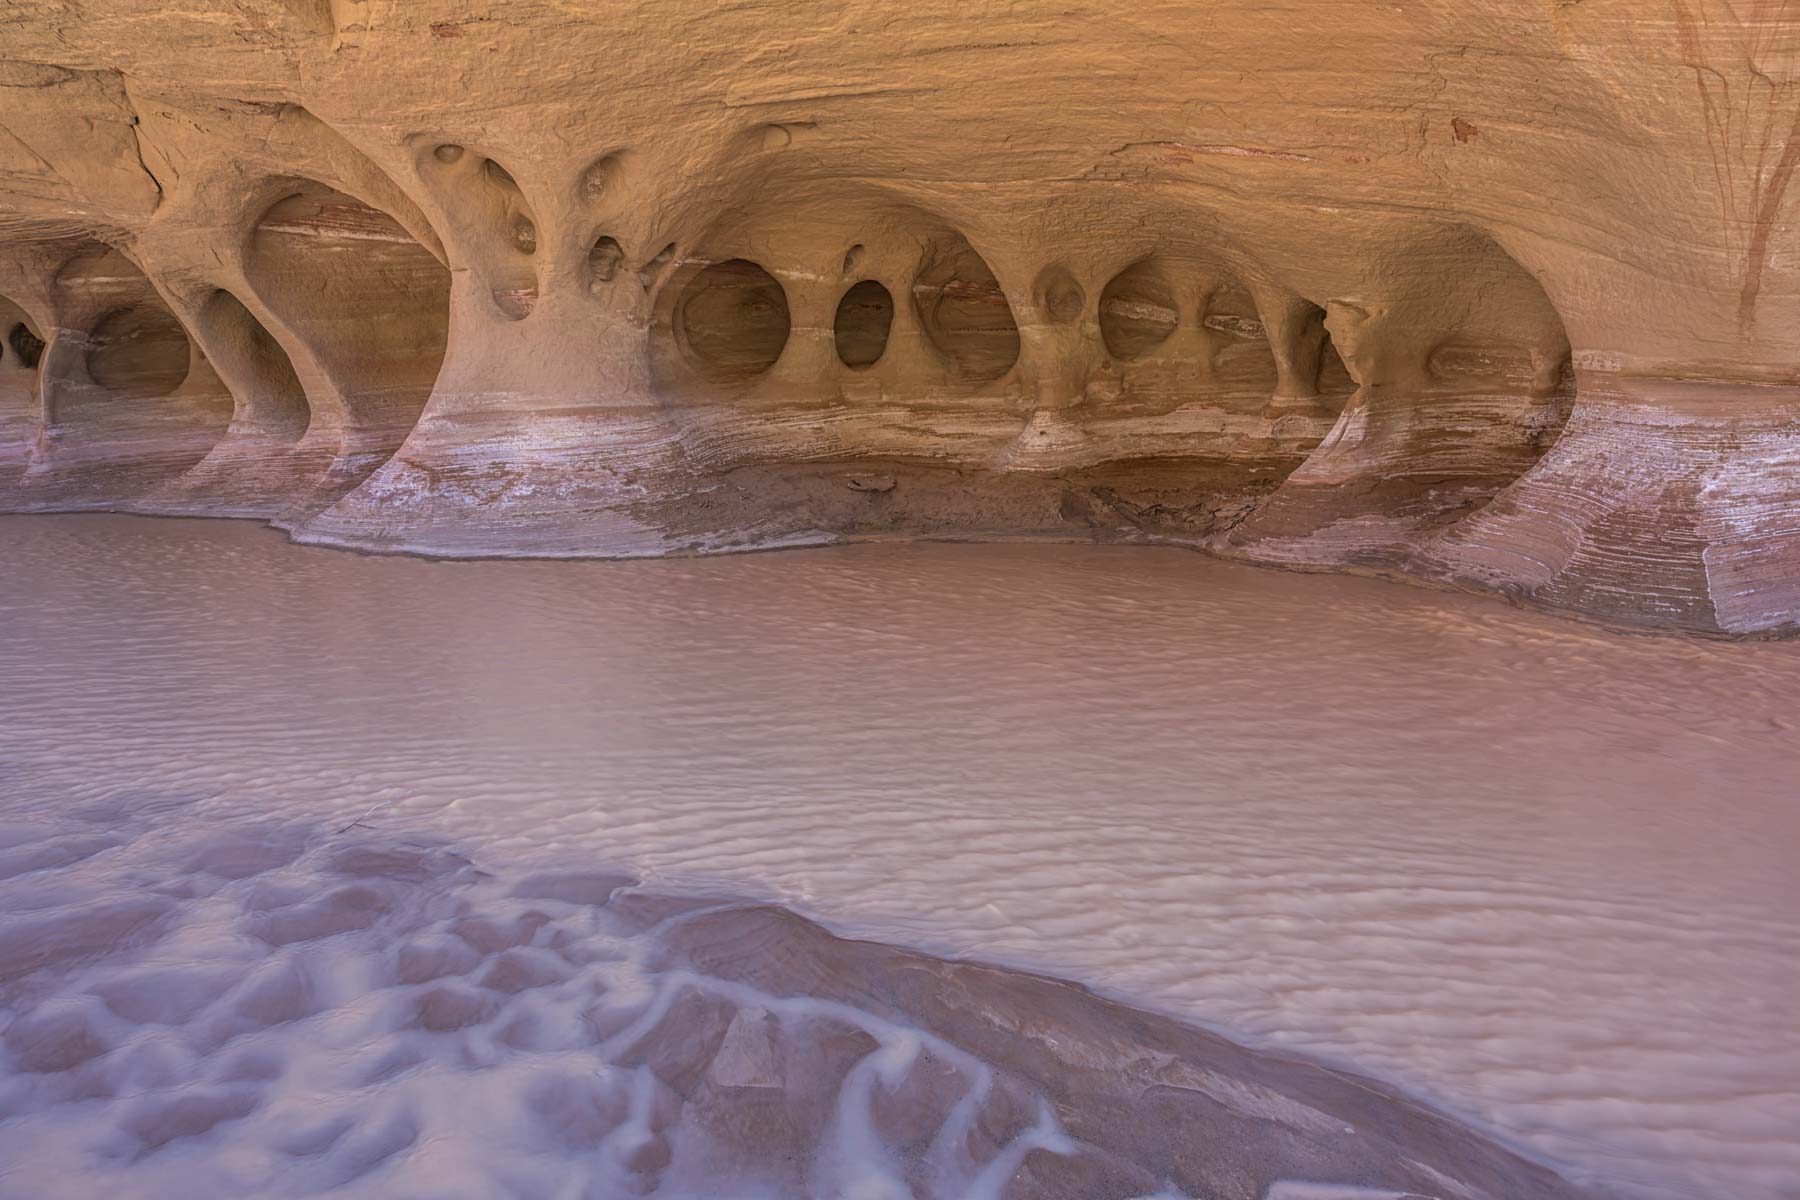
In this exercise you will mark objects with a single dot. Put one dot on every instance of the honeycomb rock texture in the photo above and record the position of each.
(1494, 294)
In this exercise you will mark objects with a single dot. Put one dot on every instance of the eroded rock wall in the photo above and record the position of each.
(1499, 295)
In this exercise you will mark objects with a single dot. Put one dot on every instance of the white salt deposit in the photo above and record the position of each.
(386, 1020)
(1539, 873)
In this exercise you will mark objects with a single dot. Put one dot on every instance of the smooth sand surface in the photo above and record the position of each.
(1538, 874)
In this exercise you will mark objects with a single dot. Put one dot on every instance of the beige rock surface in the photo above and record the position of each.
(1493, 293)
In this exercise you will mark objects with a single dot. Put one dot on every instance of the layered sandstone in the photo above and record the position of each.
(1498, 294)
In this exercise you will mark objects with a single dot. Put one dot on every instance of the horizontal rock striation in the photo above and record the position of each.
(1493, 295)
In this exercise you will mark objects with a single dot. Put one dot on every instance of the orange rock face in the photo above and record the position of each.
(1498, 294)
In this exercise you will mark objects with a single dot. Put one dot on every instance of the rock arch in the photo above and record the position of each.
(1462, 384)
(271, 400)
(260, 467)
(964, 312)
(364, 307)
(123, 398)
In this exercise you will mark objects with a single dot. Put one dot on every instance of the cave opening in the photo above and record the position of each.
(733, 320)
(603, 260)
(1137, 312)
(966, 316)
(368, 301)
(139, 351)
(27, 346)
(865, 315)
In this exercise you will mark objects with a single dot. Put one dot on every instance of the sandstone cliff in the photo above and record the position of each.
(1500, 294)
